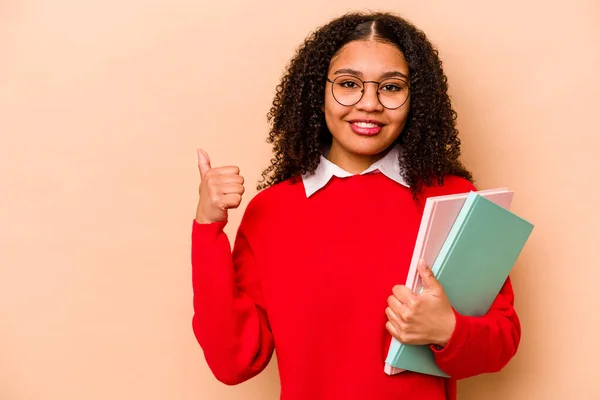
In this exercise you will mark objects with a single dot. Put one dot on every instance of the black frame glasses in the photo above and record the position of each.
(385, 81)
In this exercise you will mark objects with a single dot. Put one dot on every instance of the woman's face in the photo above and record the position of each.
(363, 131)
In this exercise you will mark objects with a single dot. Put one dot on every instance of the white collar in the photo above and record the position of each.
(388, 165)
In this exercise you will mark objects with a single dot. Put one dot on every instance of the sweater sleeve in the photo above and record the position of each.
(230, 320)
(482, 344)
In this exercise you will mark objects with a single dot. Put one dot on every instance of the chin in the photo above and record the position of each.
(371, 145)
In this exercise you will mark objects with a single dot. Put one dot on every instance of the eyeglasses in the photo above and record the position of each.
(348, 90)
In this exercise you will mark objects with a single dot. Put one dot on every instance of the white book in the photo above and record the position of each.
(439, 214)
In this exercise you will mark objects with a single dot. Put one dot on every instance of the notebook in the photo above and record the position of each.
(472, 265)
(439, 214)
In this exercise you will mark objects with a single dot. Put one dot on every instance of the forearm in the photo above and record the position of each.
(482, 344)
(229, 325)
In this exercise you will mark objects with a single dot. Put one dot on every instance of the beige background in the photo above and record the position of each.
(102, 104)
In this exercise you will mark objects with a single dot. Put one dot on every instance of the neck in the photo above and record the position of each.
(351, 162)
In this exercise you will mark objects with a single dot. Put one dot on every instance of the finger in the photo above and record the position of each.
(392, 330)
(392, 317)
(203, 162)
(232, 200)
(428, 279)
(230, 170)
(231, 188)
(403, 293)
(404, 313)
(231, 178)
(396, 305)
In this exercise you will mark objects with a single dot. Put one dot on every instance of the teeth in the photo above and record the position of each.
(365, 125)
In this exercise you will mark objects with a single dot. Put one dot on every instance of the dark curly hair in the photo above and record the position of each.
(298, 129)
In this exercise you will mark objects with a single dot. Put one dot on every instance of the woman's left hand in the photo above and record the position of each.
(424, 318)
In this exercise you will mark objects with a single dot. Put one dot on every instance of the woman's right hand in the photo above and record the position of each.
(220, 189)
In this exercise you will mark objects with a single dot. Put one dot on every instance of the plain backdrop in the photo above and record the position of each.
(103, 103)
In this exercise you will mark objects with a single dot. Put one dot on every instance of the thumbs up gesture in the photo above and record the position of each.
(220, 189)
(424, 318)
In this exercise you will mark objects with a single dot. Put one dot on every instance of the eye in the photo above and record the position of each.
(391, 87)
(348, 84)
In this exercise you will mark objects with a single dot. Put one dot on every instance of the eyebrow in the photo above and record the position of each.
(390, 74)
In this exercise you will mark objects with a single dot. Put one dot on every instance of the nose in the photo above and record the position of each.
(369, 101)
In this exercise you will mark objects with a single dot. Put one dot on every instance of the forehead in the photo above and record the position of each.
(370, 57)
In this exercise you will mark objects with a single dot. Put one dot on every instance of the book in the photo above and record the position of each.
(439, 214)
(473, 264)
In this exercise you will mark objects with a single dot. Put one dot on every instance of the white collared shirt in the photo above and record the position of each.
(388, 165)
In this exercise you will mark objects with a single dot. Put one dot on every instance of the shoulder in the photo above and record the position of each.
(451, 184)
(275, 198)
(266, 209)
(275, 194)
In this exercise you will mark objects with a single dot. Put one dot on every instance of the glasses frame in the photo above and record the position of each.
(362, 92)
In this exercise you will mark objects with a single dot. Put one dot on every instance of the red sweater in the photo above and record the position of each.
(310, 277)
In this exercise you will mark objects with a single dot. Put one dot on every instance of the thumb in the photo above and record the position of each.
(428, 279)
(203, 162)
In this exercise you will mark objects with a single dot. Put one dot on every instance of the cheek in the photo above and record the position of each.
(334, 112)
(399, 117)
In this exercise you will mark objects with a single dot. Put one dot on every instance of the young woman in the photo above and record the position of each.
(363, 132)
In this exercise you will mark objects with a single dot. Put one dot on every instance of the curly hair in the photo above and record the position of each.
(431, 147)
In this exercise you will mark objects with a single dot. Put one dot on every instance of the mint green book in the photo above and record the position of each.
(472, 266)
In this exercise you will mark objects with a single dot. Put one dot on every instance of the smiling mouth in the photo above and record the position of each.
(365, 128)
(366, 124)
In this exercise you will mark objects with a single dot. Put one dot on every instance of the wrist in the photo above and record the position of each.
(205, 218)
(447, 331)
(205, 221)
(202, 219)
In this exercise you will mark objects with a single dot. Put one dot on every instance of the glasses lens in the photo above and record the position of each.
(393, 93)
(347, 90)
